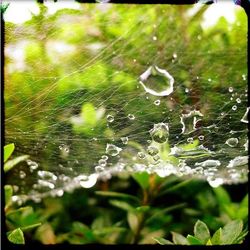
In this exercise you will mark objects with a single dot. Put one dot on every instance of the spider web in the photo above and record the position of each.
(77, 104)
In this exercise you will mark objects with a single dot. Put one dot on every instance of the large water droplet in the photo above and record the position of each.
(189, 121)
(245, 116)
(208, 163)
(87, 181)
(238, 161)
(160, 132)
(112, 150)
(215, 182)
(124, 140)
(232, 142)
(152, 150)
(157, 81)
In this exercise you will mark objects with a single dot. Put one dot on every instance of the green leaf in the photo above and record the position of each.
(142, 179)
(118, 195)
(8, 192)
(8, 150)
(179, 239)
(80, 228)
(222, 195)
(133, 221)
(162, 241)
(231, 231)
(16, 236)
(193, 240)
(122, 204)
(209, 243)
(201, 231)
(11, 163)
(216, 239)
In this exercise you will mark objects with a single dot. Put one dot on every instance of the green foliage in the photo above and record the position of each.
(16, 236)
(231, 233)
(8, 150)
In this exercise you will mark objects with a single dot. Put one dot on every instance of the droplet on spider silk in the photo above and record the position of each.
(151, 150)
(160, 132)
(190, 140)
(174, 55)
(32, 165)
(189, 121)
(124, 140)
(155, 38)
(201, 137)
(112, 150)
(238, 161)
(141, 155)
(87, 181)
(102, 162)
(245, 116)
(99, 169)
(157, 102)
(110, 118)
(45, 183)
(246, 145)
(22, 174)
(131, 117)
(232, 142)
(230, 89)
(105, 157)
(46, 175)
(215, 182)
(244, 77)
(234, 107)
(238, 100)
(157, 81)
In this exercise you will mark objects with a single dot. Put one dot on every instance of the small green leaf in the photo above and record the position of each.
(11, 163)
(162, 241)
(8, 192)
(118, 195)
(222, 195)
(8, 150)
(193, 240)
(16, 236)
(122, 204)
(216, 239)
(201, 231)
(231, 231)
(133, 221)
(142, 179)
(209, 243)
(179, 239)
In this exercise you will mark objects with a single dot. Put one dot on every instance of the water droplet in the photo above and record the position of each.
(208, 163)
(186, 90)
(102, 162)
(238, 161)
(152, 150)
(189, 121)
(154, 38)
(209, 79)
(160, 132)
(234, 107)
(110, 118)
(230, 89)
(174, 55)
(22, 174)
(124, 140)
(87, 181)
(157, 102)
(102, 1)
(245, 116)
(131, 117)
(190, 140)
(244, 77)
(201, 137)
(112, 150)
(105, 157)
(141, 155)
(215, 182)
(32, 164)
(157, 82)
(238, 100)
(46, 175)
(99, 169)
(232, 142)
(246, 145)
(45, 183)
(59, 192)
(156, 157)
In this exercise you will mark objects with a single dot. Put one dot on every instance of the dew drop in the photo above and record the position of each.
(174, 55)
(157, 81)
(189, 121)
(32, 164)
(246, 145)
(110, 118)
(154, 38)
(46, 175)
(151, 150)
(209, 79)
(112, 150)
(245, 116)
(238, 161)
(45, 183)
(156, 157)
(238, 100)
(232, 142)
(234, 107)
(160, 132)
(99, 169)
(244, 77)
(230, 89)
(208, 163)
(215, 182)
(201, 137)
(22, 174)
(190, 140)
(131, 117)
(87, 181)
(141, 155)
(157, 102)
(102, 162)
(105, 157)
(186, 90)
(124, 140)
